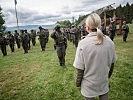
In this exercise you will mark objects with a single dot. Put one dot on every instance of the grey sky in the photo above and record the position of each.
(46, 12)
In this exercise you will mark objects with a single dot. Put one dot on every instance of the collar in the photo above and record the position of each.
(92, 34)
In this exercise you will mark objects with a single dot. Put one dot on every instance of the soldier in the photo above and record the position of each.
(60, 44)
(3, 44)
(125, 30)
(74, 34)
(47, 35)
(42, 38)
(25, 40)
(112, 29)
(29, 39)
(103, 28)
(11, 41)
(17, 38)
(33, 37)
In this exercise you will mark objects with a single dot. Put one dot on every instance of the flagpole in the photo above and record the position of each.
(16, 15)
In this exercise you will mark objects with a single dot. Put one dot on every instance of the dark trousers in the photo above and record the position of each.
(125, 36)
(18, 43)
(12, 47)
(33, 41)
(61, 52)
(43, 44)
(25, 47)
(112, 35)
(3, 49)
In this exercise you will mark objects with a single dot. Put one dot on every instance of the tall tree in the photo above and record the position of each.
(2, 27)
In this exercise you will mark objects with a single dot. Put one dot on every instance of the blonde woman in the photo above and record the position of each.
(94, 61)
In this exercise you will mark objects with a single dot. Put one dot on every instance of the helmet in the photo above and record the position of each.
(57, 27)
(40, 27)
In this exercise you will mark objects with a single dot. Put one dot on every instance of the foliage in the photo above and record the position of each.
(65, 23)
(125, 12)
(2, 27)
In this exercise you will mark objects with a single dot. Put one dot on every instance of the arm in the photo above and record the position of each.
(111, 70)
(80, 74)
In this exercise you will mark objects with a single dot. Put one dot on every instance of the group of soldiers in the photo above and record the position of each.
(23, 39)
(72, 34)
(112, 30)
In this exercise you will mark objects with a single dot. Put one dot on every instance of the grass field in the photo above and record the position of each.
(38, 76)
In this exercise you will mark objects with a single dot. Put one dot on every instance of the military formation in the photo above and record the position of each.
(60, 36)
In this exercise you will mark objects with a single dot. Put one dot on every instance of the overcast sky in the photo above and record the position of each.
(46, 12)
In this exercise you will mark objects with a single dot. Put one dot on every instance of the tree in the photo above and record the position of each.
(2, 27)
(65, 23)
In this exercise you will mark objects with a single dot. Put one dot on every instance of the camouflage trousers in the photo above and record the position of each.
(61, 52)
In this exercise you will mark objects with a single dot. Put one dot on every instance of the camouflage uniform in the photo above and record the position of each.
(60, 44)
(3, 44)
(17, 38)
(125, 30)
(29, 35)
(74, 34)
(103, 28)
(42, 38)
(25, 41)
(33, 37)
(11, 41)
(112, 29)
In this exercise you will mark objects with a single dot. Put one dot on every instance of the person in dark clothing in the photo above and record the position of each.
(17, 38)
(42, 38)
(3, 44)
(11, 40)
(33, 37)
(60, 44)
(25, 40)
(112, 29)
(28, 39)
(103, 28)
(125, 30)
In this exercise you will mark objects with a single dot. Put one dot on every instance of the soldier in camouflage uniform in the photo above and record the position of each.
(75, 35)
(47, 35)
(33, 37)
(60, 44)
(112, 29)
(42, 38)
(3, 44)
(103, 28)
(25, 41)
(29, 35)
(17, 38)
(11, 41)
(125, 30)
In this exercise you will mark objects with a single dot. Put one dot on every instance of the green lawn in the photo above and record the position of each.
(38, 76)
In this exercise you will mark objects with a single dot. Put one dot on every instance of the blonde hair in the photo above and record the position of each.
(93, 21)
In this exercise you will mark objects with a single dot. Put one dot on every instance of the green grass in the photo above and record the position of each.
(38, 76)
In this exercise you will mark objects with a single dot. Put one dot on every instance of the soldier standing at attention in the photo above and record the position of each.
(42, 38)
(33, 37)
(3, 44)
(25, 40)
(103, 28)
(112, 29)
(125, 30)
(29, 39)
(17, 38)
(60, 44)
(11, 41)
